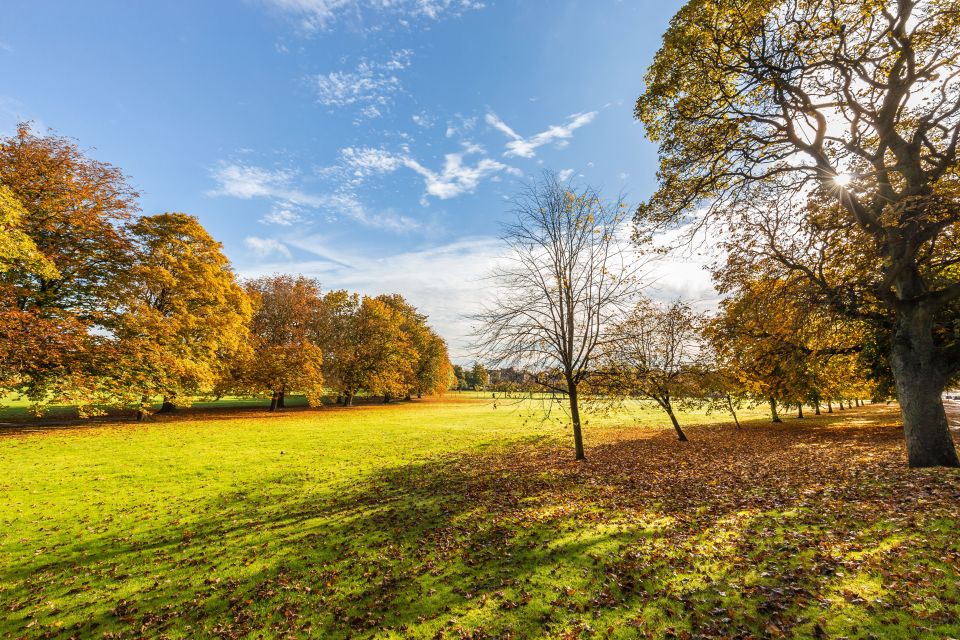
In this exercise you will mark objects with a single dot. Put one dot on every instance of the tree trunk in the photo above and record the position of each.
(142, 409)
(732, 412)
(681, 436)
(386, 398)
(348, 400)
(281, 397)
(575, 416)
(920, 385)
(830, 406)
(274, 398)
(774, 416)
(800, 411)
(339, 399)
(841, 404)
(408, 398)
(166, 406)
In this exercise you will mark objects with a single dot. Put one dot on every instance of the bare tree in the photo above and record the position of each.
(566, 280)
(659, 354)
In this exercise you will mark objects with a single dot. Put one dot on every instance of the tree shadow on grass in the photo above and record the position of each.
(813, 529)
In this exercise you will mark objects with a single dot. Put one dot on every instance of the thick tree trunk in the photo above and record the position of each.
(732, 412)
(800, 411)
(166, 406)
(281, 397)
(274, 398)
(681, 436)
(339, 399)
(830, 406)
(841, 404)
(386, 398)
(348, 400)
(575, 416)
(920, 383)
(774, 416)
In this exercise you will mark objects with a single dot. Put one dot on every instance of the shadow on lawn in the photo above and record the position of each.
(812, 529)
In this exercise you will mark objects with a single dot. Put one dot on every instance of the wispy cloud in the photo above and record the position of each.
(456, 177)
(522, 147)
(248, 182)
(317, 15)
(266, 247)
(371, 85)
(283, 214)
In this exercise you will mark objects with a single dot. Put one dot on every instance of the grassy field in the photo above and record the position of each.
(452, 518)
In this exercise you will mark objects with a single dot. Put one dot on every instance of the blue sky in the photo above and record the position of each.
(370, 143)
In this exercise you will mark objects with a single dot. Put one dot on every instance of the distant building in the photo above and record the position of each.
(510, 375)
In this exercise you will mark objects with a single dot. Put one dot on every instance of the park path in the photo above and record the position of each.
(953, 413)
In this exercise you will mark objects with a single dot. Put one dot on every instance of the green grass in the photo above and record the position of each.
(455, 518)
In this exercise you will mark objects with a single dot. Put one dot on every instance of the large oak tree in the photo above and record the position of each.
(790, 100)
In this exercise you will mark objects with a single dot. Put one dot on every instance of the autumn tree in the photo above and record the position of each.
(658, 354)
(850, 99)
(434, 373)
(366, 347)
(564, 282)
(430, 371)
(184, 316)
(57, 314)
(17, 249)
(286, 355)
(777, 347)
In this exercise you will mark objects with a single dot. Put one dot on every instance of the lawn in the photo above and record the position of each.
(454, 518)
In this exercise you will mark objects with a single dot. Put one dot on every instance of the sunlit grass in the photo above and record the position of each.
(457, 518)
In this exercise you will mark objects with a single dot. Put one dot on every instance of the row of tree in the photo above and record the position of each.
(569, 308)
(101, 306)
(818, 143)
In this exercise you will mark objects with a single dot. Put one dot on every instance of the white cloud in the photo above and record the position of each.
(371, 84)
(315, 15)
(565, 174)
(266, 247)
(285, 216)
(460, 125)
(522, 147)
(247, 182)
(454, 178)
(422, 119)
(364, 161)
